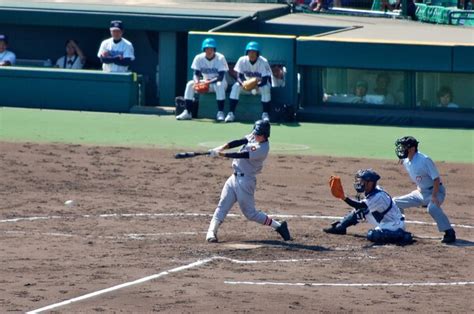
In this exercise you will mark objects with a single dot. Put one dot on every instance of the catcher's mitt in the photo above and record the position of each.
(250, 84)
(336, 187)
(201, 87)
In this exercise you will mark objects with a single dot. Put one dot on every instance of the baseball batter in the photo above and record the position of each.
(240, 186)
(116, 53)
(377, 208)
(429, 191)
(249, 66)
(208, 66)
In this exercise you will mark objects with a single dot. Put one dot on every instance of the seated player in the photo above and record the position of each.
(377, 208)
(210, 67)
(73, 57)
(252, 65)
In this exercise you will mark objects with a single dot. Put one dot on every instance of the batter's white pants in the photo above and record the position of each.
(217, 87)
(264, 91)
(241, 190)
(423, 198)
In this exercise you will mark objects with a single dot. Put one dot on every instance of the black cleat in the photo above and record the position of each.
(449, 236)
(335, 228)
(283, 231)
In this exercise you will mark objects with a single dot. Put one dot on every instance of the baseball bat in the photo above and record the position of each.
(190, 154)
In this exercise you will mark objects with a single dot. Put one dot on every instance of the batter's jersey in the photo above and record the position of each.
(210, 68)
(421, 170)
(73, 62)
(123, 48)
(259, 69)
(8, 56)
(380, 204)
(258, 152)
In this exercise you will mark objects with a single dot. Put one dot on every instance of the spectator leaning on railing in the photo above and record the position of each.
(6, 57)
(116, 53)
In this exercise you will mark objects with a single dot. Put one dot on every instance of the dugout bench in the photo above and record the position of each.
(277, 49)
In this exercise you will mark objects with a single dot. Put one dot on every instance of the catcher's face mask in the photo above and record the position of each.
(359, 185)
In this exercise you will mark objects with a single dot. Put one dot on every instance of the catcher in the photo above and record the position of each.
(209, 76)
(377, 208)
(253, 77)
(240, 186)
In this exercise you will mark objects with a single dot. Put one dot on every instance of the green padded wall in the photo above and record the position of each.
(68, 89)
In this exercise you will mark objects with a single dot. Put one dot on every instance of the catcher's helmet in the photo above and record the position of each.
(366, 175)
(262, 128)
(403, 144)
(209, 43)
(254, 46)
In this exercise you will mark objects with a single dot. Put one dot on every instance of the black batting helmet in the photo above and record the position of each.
(403, 144)
(366, 175)
(262, 127)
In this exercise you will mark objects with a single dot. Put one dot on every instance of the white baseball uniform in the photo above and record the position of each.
(259, 69)
(383, 213)
(123, 48)
(209, 69)
(423, 172)
(8, 56)
(240, 186)
(67, 62)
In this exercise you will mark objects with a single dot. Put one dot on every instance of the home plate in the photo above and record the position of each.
(243, 246)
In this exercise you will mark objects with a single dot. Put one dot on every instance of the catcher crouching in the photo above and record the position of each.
(377, 208)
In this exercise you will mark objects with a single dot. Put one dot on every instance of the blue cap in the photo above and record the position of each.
(4, 38)
(116, 25)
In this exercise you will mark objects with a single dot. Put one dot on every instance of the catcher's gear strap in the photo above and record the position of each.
(239, 155)
(379, 215)
(237, 143)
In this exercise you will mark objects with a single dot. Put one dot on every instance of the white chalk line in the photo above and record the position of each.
(374, 284)
(168, 272)
(126, 236)
(124, 285)
(13, 220)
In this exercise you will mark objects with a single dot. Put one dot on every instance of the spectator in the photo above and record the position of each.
(252, 65)
(278, 75)
(6, 57)
(209, 67)
(318, 5)
(445, 98)
(360, 93)
(116, 53)
(73, 57)
(381, 88)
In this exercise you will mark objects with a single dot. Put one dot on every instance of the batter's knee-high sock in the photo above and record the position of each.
(266, 106)
(271, 222)
(214, 226)
(220, 105)
(189, 105)
(233, 104)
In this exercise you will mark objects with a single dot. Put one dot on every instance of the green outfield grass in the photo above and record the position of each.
(45, 126)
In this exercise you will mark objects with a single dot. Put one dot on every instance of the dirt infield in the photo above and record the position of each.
(139, 212)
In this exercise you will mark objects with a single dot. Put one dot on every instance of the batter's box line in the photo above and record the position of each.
(374, 284)
(157, 215)
(195, 264)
